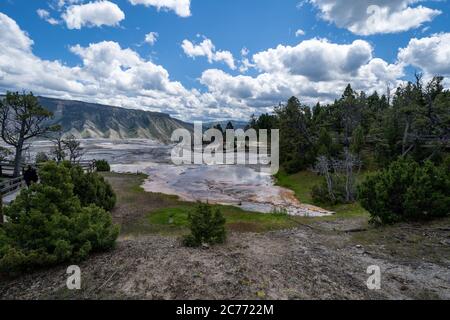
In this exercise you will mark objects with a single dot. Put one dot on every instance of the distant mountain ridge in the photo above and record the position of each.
(97, 121)
(90, 120)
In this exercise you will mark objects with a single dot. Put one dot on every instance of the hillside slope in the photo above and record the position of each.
(89, 120)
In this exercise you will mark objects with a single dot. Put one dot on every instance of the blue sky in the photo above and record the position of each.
(174, 74)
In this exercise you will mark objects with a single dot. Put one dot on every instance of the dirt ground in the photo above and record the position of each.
(321, 259)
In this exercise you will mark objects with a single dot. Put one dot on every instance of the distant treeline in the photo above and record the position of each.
(376, 129)
(403, 141)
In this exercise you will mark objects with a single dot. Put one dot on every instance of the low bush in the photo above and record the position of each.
(102, 166)
(207, 227)
(321, 195)
(91, 188)
(407, 191)
(47, 225)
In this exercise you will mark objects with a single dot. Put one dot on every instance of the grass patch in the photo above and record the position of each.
(174, 220)
(140, 213)
(303, 182)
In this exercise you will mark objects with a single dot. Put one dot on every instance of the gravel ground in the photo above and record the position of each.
(319, 260)
(302, 263)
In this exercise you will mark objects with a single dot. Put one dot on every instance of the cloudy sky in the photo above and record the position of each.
(217, 59)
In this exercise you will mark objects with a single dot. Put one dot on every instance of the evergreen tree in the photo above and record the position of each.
(297, 149)
(229, 126)
(22, 118)
(47, 224)
(207, 226)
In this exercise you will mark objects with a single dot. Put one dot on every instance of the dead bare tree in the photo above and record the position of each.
(323, 165)
(339, 175)
(59, 149)
(73, 147)
(350, 162)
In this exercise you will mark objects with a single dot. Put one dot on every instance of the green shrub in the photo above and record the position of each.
(48, 225)
(102, 166)
(293, 166)
(207, 227)
(407, 191)
(320, 194)
(91, 188)
(446, 165)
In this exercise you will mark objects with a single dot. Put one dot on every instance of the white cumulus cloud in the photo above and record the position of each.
(299, 33)
(316, 59)
(430, 54)
(180, 7)
(207, 49)
(93, 14)
(151, 38)
(367, 17)
(45, 15)
(108, 74)
(314, 70)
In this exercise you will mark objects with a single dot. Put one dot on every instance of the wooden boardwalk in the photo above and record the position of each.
(10, 187)
(10, 197)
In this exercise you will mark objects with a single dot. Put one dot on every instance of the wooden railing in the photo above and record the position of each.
(87, 165)
(11, 185)
(7, 169)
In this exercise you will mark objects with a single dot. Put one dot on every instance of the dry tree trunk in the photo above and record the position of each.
(325, 171)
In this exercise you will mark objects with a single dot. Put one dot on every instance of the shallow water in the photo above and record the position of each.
(235, 185)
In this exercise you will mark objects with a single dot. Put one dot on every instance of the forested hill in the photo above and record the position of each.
(413, 122)
(88, 120)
